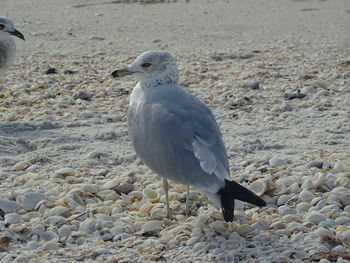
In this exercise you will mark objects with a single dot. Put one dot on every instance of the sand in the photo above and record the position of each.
(63, 137)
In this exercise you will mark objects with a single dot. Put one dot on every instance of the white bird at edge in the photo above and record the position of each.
(7, 43)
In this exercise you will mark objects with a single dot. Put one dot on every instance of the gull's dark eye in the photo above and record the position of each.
(146, 65)
(2, 26)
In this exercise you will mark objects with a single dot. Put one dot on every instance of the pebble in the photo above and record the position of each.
(292, 96)
(123, 188)
(83, 95)
(51, 71)
(12, 218)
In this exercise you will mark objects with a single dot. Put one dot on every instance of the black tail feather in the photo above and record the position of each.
(232, 191)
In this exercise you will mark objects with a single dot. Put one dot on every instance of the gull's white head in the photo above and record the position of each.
(152, 68)
(7, 29)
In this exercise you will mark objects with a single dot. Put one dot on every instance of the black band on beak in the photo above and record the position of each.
(120, 73)
(17, 34)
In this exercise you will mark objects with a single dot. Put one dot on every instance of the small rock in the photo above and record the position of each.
(317, 164)
(83, 95)
(253, 85)
(97, 38)
(124, 188)
(51, 71)
(293, 96)
(69, 72)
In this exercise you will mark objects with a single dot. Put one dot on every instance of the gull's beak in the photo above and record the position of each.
(121, 73)
(17, 34)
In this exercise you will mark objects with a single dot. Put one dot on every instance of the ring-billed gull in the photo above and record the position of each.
(7, 43)
(175, 134)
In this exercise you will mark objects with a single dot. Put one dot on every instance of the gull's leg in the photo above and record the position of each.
(187, 201)
(166, 189)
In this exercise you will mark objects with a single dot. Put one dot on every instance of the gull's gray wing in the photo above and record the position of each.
(177, 136)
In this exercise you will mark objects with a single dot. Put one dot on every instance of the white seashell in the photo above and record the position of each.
(306, 196)
(152, 226)
(243, 229)
(321, 179)
(342, 220)
(346, 235)
(110, 184)
(258, 187)
(12, 218)
(283, 199)
(321, 231)
(65, 172)
(199, 247)
(58, 210)
(38, 230)
(88, 226)
(48, 236)
(89, 188)
(32, 245)
(341, 166)
(50, 245)
(21, 166)
(31, 199)
(314, 217)
(220, 227)
(275, 161)
(8, 205)
(285, 210)
(193, 240)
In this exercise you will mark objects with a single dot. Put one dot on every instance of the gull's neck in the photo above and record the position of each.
(7, 50)
(155, 82)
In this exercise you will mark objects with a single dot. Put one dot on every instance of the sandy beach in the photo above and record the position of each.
(276, 74)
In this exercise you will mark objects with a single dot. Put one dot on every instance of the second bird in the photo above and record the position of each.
(176, 135)
(7, 43)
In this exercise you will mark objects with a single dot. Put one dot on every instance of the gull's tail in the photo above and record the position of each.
(232, 191)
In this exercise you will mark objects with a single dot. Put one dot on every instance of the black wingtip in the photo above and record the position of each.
(232, 191)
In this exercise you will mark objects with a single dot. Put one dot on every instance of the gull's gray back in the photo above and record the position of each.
(176, 135)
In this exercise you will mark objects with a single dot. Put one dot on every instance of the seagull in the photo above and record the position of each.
(176, 135)
(7, 43)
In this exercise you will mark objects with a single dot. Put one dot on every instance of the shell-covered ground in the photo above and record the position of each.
(73, 190)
